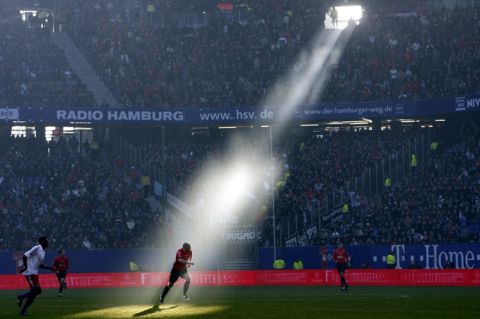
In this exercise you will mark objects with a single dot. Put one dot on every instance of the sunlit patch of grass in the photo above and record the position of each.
(147, 311)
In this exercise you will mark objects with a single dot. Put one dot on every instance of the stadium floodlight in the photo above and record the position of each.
(26, 13)
(339, 17)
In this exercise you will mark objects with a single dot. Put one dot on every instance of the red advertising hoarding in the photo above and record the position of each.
(260, 278)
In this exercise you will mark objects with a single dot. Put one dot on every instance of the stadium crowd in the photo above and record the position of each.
(33, 72)
(79, 200)
(234, 62)
(233, 58)
(339, 159)
(424, 54)
(424, 207)
(226, 61)
(438, 202)
(102, 203)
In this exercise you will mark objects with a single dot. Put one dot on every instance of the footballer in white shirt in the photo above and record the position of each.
(32, 261)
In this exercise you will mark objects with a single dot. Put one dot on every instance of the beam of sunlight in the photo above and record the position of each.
(228, 190)
(304, 83)
(236, 184)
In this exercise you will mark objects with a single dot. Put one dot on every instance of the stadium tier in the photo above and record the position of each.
(227, 62)
(207, 57)
(100, 201)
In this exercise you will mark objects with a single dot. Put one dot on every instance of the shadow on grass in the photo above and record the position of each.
(151, 310)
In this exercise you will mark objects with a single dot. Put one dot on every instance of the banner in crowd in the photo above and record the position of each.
(427, 256)
(259, 278)
(241, 115)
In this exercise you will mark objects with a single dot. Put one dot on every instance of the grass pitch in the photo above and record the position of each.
(254, 302)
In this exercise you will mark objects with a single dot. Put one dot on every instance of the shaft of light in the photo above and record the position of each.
(304, 84)
(224, 187)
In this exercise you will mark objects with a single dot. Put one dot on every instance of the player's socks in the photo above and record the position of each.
(164, 293)
(19, 301)
(27, 304)
(159, 302)
(25, 295)
(185, 287)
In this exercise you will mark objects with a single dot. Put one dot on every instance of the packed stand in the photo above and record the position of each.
(79, 200)
(430, 53)
(221, 64)
(436, 203)
(323, 166)
(312, 167)
(233, 61)
(82, 199)
(34, 72)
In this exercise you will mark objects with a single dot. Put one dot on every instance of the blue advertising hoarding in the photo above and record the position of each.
(427, 256)
(241, 115)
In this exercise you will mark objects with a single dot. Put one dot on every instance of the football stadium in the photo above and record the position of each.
(240, 159)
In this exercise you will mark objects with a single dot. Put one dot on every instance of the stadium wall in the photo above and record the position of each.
(451, 277)
(431, 256)
(94, 261)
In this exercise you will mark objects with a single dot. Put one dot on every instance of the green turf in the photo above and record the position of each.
(255, 302)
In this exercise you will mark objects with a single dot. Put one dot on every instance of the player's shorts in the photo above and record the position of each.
(61, 274)
(176, 273)
(32, 281)
(341, 267)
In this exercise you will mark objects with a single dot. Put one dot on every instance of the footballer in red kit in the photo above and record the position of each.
(340, 256)
(180, 269)
(182, 254)
(61, 266)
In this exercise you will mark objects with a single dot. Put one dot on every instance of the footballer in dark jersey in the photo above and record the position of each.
(180, 269)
